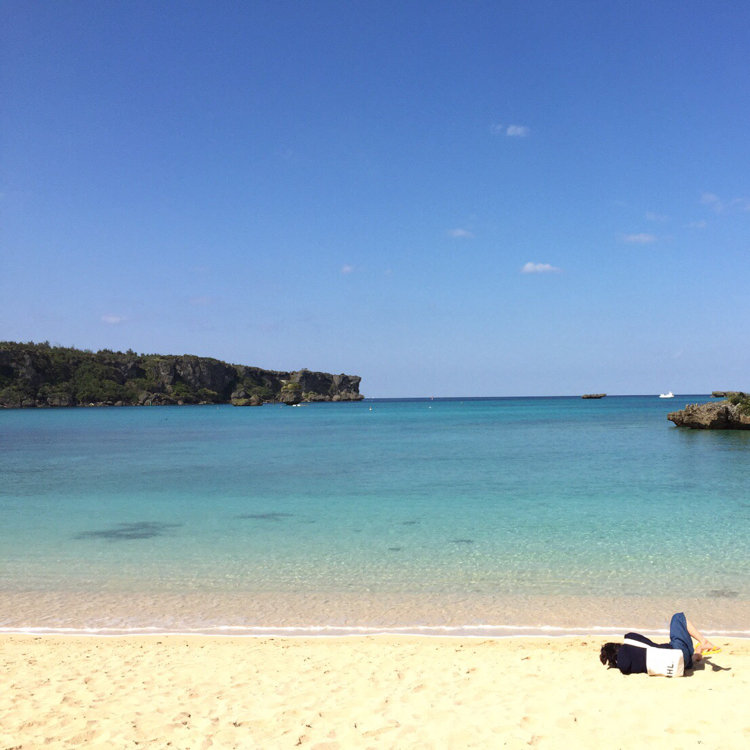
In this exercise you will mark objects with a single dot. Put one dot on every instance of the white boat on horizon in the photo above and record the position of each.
(666, 395)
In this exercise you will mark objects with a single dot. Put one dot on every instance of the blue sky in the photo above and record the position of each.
(446, 198)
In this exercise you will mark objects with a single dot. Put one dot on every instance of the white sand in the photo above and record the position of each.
(359, 692)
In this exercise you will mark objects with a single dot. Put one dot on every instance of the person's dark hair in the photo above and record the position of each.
(608, 654)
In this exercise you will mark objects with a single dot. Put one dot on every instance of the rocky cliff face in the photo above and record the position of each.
(41, 375)
(715, 415)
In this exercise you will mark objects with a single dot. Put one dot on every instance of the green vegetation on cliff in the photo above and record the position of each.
(43, 375)
(740, 400)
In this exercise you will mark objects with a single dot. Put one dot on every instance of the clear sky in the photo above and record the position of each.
(446, 198)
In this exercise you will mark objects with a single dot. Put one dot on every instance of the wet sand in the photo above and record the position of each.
(340, 613)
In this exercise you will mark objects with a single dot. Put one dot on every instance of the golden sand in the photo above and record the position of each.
(359, 692)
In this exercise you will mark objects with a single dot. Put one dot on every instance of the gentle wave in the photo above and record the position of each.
(266, 631)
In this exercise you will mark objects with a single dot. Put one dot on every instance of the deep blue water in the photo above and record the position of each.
(515, 496)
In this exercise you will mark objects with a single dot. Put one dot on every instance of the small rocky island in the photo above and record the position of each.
(40, 375)
(732, 413)
(593, 395)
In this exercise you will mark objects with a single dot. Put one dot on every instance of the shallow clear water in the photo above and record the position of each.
(388, 501)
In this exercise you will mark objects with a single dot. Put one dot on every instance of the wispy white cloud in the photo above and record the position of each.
(112, 320)
(346, 269)
(539, 268)
(702, 224)
(722, 206)
(517, 131)
(653, 216)
(511, 131)
(642, 238)
(713, 200)
(461, 233)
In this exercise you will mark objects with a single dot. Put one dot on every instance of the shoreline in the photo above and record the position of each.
(315, 633)
(319, 614)
(358, 691)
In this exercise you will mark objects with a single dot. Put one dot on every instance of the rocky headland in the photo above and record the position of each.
(40, 375)
(732, 413)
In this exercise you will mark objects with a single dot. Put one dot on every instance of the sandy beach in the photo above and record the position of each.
(359, 692)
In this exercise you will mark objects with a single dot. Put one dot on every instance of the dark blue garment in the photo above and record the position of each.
(632, 659)
(680, 638)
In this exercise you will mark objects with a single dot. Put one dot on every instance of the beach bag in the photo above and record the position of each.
(664, 662)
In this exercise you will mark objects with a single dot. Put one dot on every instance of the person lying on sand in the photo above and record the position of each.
(639, 654)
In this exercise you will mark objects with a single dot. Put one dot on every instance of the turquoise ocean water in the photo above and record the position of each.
(377, 514)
